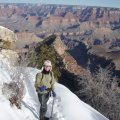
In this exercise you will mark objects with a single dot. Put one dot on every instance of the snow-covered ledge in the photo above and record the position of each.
(67, 105)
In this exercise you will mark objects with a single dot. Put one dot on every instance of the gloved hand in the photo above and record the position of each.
(53, 93)
(42, 88)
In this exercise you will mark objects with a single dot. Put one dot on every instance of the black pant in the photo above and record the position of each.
(43, 98)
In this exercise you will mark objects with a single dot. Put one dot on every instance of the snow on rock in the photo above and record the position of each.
(7, 58)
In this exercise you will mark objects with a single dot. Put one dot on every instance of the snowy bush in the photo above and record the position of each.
(14, 92)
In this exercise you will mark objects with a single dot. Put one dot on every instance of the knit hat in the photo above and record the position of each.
(47, 63)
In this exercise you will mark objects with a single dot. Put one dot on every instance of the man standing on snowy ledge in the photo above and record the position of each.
(44, 85)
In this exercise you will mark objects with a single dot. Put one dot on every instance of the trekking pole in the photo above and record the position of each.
(52, 107)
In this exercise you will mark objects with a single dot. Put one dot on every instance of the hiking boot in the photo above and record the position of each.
(46, 118)
(42, 118)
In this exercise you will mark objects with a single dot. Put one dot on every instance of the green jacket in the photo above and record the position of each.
(44, 79)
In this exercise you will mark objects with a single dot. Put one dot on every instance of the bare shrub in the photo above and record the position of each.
(27, 58)
(13, 93)
(101, 91)
(15, 90)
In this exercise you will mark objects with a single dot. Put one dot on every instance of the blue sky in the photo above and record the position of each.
(104, 3)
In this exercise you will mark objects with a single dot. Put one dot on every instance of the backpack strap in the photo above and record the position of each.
(51, 77)
(42, 76)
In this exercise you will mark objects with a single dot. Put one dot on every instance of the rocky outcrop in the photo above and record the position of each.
(33, 20)
(7, 35)
(9, 11)
(7, 38)
(69, 62)
(103, 52)
(52, 21)
(68, 19)
(8, 57)
(59, 46)
(72, 66)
